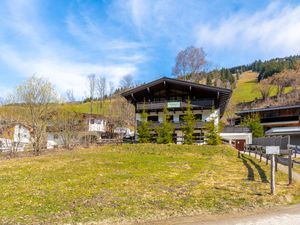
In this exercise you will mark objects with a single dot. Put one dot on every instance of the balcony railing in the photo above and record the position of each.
(280, 119)
(177, 125)
(200, 103)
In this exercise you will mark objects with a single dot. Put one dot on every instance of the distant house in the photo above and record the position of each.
(279, 120)
(207, 103)
(17, 136)
(91, 128)
(124, 132)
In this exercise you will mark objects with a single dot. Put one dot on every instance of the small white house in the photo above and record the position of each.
(20, 138)
(124, 131)
(93, 124)
(97, 125)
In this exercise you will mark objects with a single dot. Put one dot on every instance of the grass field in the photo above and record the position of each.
(134, 183)
(98, 108)
(245, 88)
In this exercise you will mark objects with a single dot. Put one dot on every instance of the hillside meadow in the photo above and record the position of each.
(245, 90)
(125, 183)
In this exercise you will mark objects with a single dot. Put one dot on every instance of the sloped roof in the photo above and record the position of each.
(268, 109)
(224, 94)
(283, 130)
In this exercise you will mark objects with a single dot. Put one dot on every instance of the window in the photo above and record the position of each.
(171, 118)
(181, 118)
(198, 117)
(153, 118)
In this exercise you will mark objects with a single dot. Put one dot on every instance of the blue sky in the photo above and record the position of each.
(65, 40)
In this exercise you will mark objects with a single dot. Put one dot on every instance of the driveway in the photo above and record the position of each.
(289, 215)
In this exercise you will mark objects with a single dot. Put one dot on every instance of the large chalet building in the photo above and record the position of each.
(207, 103)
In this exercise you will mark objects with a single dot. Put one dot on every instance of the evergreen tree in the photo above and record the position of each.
(213, 132)
(190, 122)
(166, 130)
(253, 122)
(144, 128)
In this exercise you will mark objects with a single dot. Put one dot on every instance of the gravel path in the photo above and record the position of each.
(289, 215)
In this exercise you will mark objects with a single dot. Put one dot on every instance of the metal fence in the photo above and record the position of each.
(282, 141)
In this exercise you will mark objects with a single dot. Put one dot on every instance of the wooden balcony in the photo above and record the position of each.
(177, 125)
(201, 103)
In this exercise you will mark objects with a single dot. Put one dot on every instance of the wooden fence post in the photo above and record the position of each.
(290, 167)
(276, 162)
(255, 151)
(260, 155)
(267, 159)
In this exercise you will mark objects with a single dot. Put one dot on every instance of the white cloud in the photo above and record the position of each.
(65, 66)
(274, 30)
(63, 73)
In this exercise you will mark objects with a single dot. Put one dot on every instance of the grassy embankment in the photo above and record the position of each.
(245, 90)
(98, 107)
(134, 182)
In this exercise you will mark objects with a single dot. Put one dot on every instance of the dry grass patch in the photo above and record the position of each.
(134, 183)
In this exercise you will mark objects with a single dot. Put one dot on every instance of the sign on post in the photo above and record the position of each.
(272, 150)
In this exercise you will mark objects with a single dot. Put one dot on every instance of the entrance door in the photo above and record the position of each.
(240, 144)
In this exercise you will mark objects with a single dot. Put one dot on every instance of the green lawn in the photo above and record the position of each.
(134, 182)
(245, 88)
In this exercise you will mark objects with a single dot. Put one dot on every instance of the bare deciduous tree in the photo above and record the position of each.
(36, 100)
(67, 125)
(264, 88)
(101, 90)
(189, 62)
(111, 89)
(70, 95)
(91, 85)
(127, 82)
(282, 81)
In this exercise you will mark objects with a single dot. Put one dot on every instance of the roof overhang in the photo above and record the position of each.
(283, 131)
(258, 110)
(223, 94)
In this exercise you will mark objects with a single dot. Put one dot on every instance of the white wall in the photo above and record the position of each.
(54, 140)
(211, 115)
(21, 138)
(233, 136)
(97, 125)
(21, 134)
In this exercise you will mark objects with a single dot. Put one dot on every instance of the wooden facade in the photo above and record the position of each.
(281, 116)
(206, 102)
